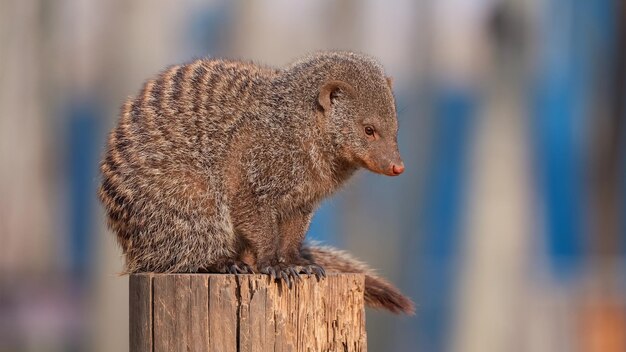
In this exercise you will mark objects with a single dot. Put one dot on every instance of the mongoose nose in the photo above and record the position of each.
(397, 169)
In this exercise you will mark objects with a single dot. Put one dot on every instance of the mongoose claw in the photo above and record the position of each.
(285, 276)
(313, 269)
(235, 269)
(268, 270)
(319, 272)
(306, 269)
(294, 273)
(288, 274)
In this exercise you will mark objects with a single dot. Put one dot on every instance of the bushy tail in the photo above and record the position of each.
(378, 292)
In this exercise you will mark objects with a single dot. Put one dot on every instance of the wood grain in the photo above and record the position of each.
(211, 312)
(140, 312)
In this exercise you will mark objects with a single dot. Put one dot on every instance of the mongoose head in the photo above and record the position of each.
(358, 107)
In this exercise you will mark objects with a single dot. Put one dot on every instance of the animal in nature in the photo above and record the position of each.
(218, 165)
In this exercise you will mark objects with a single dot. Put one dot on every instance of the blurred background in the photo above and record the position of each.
(508, 229)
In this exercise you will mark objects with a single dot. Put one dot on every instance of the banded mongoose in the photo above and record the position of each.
(218, 165)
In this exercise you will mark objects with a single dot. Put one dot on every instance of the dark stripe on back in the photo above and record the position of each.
(141, 125)
(187, 94)
(197, 87)
(157, 104)
(157, 94)
(243, 88)
(122, 141)
(135, 107)
(110, 191)
(177, 82)
(110, 162)
(209, 90)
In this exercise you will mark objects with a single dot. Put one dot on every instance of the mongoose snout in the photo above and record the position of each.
(397, 169)
(383, 157)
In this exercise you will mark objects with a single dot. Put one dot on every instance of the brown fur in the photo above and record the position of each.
(219, 165)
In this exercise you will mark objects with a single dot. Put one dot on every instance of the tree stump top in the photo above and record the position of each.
(214, 312)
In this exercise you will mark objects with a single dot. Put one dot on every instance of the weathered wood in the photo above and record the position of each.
(212, 312)
(223, 313)
(199, 313)
(140, 313)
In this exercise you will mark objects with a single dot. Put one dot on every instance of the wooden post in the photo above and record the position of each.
(213, 312)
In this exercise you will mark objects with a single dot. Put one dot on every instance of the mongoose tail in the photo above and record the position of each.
(379, 293)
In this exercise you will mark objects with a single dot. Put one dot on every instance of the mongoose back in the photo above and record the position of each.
(218, 166)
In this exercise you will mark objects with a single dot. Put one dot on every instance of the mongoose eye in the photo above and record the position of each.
(369, 130)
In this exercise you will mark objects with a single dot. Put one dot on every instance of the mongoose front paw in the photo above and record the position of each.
(306, 266)
(291, 273)
(309, 269)
(236, 268)
(282, 272)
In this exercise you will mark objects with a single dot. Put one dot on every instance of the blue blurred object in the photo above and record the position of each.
(325, 225)
(622, 177)
(569, 67)
(433, 256)
(208, 30)
(84, 142)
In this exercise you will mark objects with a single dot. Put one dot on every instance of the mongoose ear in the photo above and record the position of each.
(330, 90)
(389, 81)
